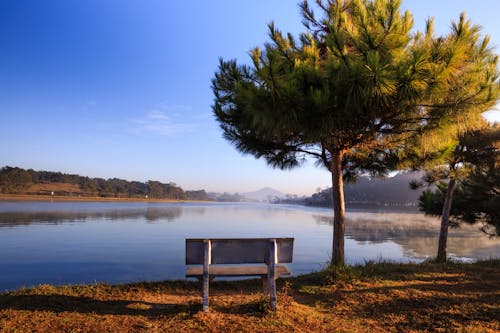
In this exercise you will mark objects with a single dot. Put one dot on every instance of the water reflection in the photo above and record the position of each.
(378, 228)
(150, 214)
(417, 234)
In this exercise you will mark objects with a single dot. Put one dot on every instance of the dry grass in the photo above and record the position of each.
(380, 297)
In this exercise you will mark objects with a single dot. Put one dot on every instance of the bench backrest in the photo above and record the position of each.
(238, 250)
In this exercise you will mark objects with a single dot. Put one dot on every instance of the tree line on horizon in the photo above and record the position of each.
(14, 180)
(368, 192)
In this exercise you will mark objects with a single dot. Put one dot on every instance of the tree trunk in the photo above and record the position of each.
(338, 209)
(445, 221)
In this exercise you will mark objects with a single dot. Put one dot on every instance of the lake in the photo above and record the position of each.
(119, 242)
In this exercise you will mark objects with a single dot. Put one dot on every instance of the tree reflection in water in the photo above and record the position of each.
(417, 234)
(150, 214)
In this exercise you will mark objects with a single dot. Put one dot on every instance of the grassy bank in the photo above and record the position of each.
(380, 297)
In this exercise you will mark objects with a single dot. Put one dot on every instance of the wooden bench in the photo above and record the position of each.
(227, 258)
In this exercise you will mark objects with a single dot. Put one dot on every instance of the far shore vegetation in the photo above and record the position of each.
(31, 183)
(374, 297)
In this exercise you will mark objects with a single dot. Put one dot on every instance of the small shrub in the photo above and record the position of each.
(341, 274)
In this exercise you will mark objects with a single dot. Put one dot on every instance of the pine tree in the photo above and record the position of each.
(474, 171)
(349, 92)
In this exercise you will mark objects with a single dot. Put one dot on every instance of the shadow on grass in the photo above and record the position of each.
(57, 302)
(251, 309)
(86, 305)
(437, 297)
(61, 303)
(434, 313)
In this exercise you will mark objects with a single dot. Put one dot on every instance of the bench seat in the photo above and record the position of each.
(197, 271)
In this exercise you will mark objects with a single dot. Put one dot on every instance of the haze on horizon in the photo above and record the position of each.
(122, 88)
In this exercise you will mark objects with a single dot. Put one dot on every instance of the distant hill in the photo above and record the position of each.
(264, 194)
(225, 197)
(370, 192)
(387, 191)
(15, 180)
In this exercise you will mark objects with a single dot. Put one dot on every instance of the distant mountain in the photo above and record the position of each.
(264, 194)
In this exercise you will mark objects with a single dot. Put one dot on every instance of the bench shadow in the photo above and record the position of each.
(61, 303)
(58, 303)
(251, 309)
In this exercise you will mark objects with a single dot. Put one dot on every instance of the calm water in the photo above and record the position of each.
(85, 242)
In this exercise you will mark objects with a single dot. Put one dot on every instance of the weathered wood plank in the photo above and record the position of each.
(196, 271)
(238, 250)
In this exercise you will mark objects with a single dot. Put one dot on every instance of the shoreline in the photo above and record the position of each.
(32, 197)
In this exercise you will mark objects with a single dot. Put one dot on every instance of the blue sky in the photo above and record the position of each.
(122, 88)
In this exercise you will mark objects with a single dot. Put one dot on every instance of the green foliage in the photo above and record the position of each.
(473, 202)
(431, 201)
(471, 87)
(13, 180)
(341, 274)
(481, 189)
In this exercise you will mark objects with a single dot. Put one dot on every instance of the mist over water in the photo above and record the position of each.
(114, 242)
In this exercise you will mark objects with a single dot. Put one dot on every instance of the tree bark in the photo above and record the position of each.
(338, 209)
(445, 222)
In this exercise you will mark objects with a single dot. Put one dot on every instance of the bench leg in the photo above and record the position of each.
(271, 272)
(206, 277)
(204, 292)
(272, 292)
(269, 288)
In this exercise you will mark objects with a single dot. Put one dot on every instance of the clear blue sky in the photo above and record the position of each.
(121, 88)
